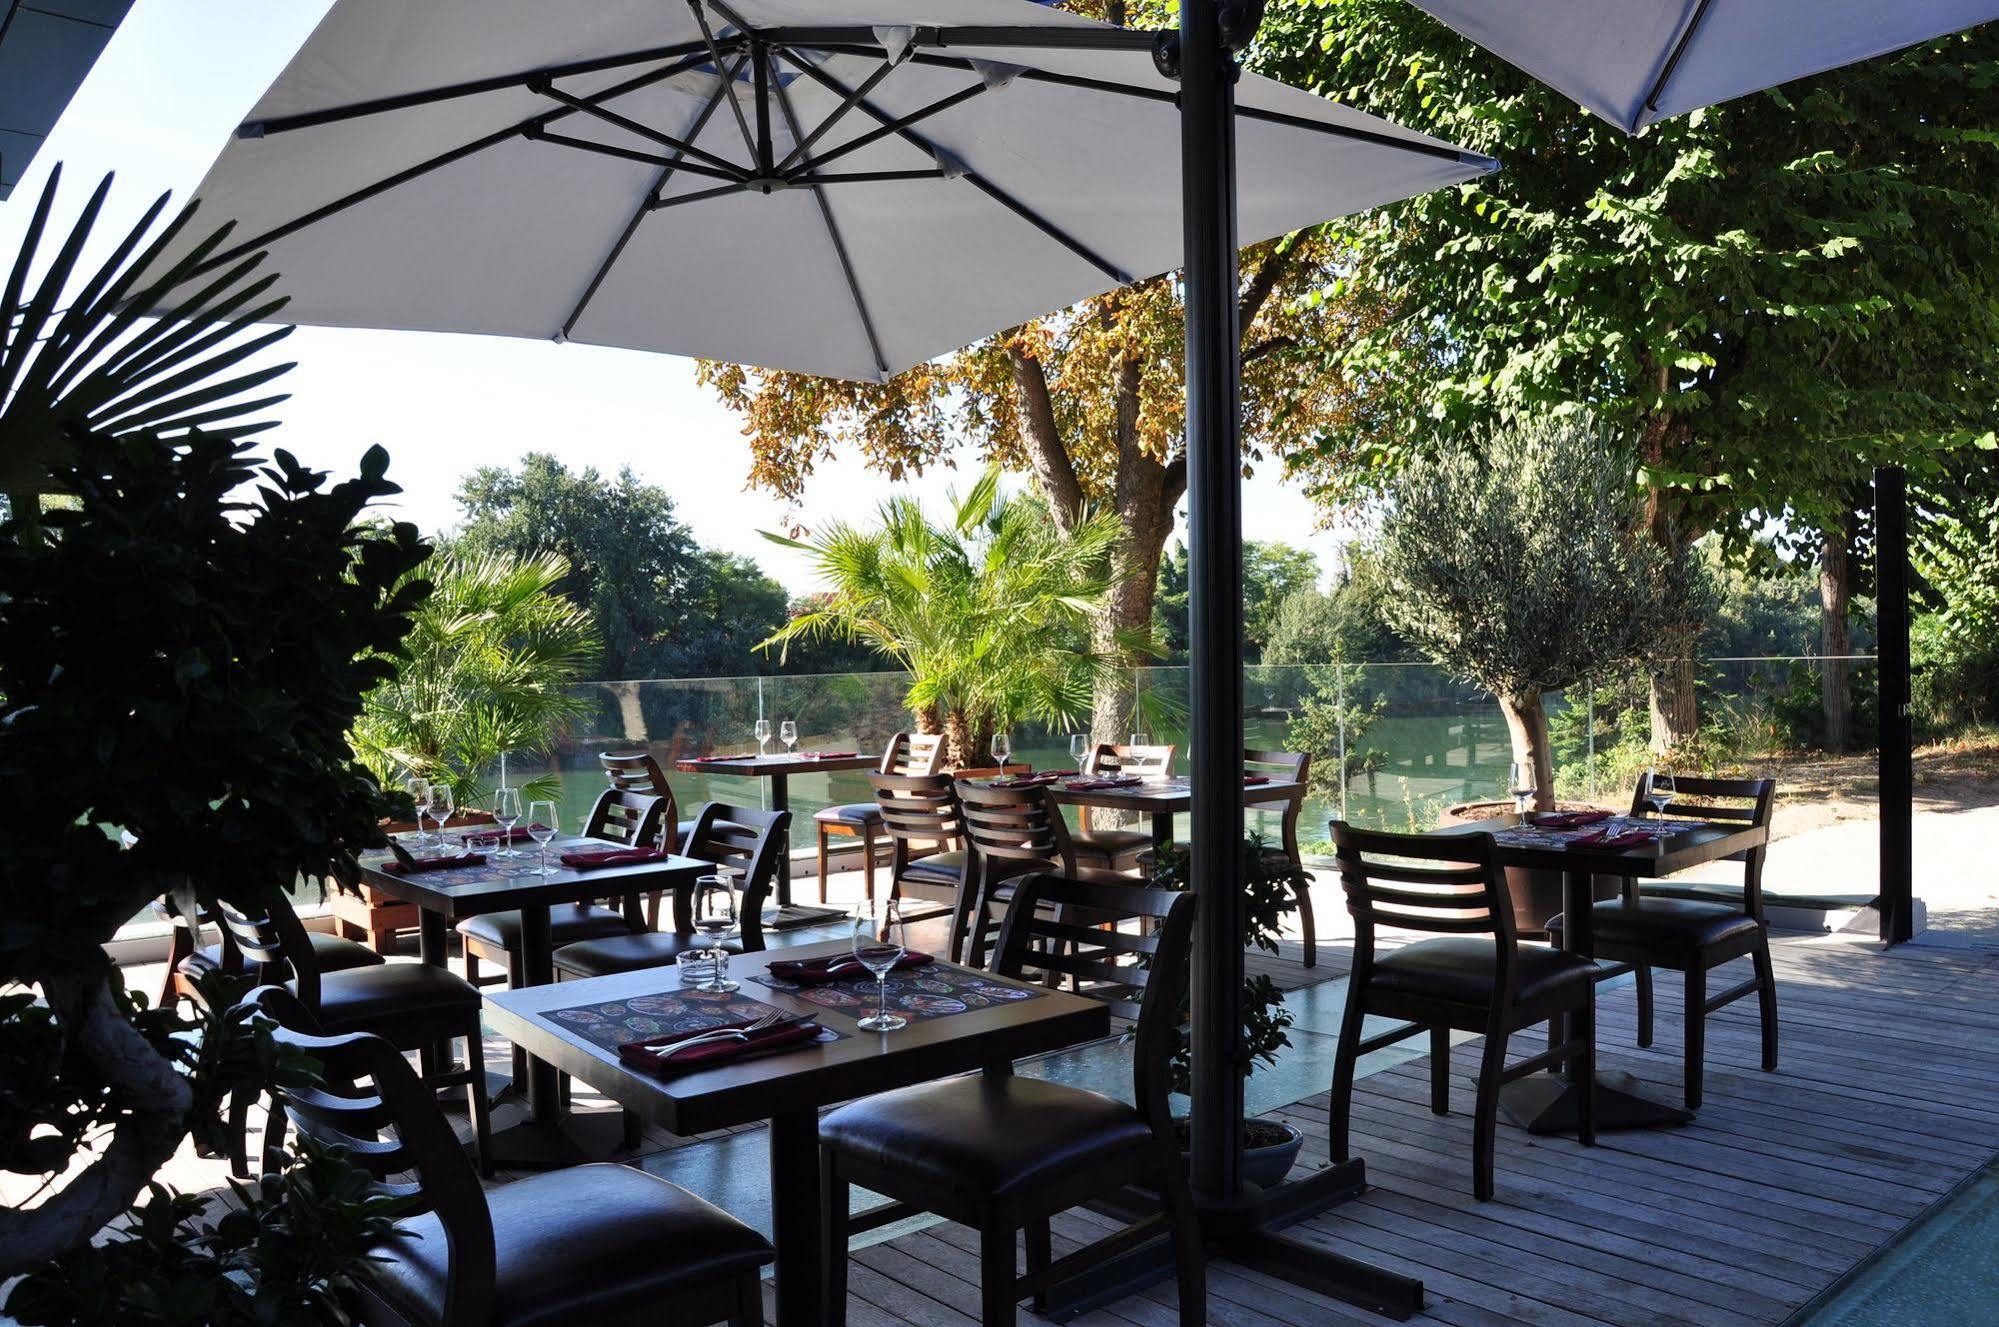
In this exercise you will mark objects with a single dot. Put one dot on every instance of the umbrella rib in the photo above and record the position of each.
(867, 177)
(631, 126)
(729, 85)
(839, 245)
(1673, 58)
(645, 208)
(732, 175)
(804, 144)
(972, 177)
(702, 196)
(914, 117)
(451, 91)
(438, 162)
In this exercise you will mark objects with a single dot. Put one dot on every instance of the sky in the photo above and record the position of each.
(177, 78)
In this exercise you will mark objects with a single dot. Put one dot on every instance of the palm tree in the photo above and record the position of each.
(988, 611)
(487, 671)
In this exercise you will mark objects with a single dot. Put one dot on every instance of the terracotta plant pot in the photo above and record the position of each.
(1537, 894)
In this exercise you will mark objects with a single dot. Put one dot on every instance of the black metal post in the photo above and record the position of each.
(1214, 576)
(1891, 560)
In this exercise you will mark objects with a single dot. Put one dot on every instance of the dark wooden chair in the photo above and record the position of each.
(1479, 978)
(638, 772)
(1113, 849)
(413, 1006)
(189, 960)
(601, 1244)
(1291, 767)
(1694, 936)
(742, 837)
(1003, 1154)
(360, 912)
(1012, 832)
(919, 813)
(619, 816)
(906, 753)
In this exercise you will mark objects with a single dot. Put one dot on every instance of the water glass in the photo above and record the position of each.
(1079, 748)
(418, 788)
(1002, 749)
(543, 820)
(787, 733)
(507, 814)
(879, 944)
(441, 807)
(762, 730)
(1520, 781)
(714, 907)
(1658, 791)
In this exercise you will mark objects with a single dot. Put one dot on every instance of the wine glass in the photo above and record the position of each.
(787, 733)
(1141, 738)
(1002, 749)
(762, 730)
(507, 814)
(1520, 781)
(714, 906)
(418, 788)
(1079, 748)
(441, 806)
(1658, 791)
(542, 822)
(878, 946)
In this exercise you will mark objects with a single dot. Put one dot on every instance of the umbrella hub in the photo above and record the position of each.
(766, 184)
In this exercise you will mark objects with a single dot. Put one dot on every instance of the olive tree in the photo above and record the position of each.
(1521, 564)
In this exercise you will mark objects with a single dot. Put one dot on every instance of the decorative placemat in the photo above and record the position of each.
(1546, 836)
(937, 991)
(612, 1023)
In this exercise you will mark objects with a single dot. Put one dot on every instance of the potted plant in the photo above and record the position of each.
(1270, 883)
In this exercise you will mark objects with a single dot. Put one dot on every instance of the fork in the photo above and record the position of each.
(764, 1024)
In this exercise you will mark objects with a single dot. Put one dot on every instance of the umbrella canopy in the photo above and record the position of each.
(1635, 62)
(842, 191)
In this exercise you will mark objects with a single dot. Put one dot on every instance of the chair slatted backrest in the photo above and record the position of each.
(372, 1103)
(1283, 767)
(747, 839)
(913, 753)
(1109, 758)
(272, 939)
(1015, 825)
(638, 772)
(1732, 801)
(630, 818)
(1141, 976)
(918, 811)
(1448, 883)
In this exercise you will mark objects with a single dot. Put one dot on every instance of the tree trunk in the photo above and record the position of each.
(1835, 637)
(1527, 724)
(1675, 706)
(631, 714)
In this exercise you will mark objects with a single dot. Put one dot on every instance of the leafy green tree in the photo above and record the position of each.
(1770, 295)
(1272, 571)
(988, 610)
(1518, 566)
(1956, 641)
(486, 671)
(1349, 622)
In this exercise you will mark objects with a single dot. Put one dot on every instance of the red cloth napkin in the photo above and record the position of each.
(1103, 785)
(1597, 838)
(826, 755)
(1041, 779)
(1570, 819)
(640, 1055)
(507, 837)
(1251, 780)
(423, 864)
(837, 967)
(585, 858)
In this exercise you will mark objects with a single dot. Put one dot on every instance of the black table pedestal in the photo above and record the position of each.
(1546, 1103)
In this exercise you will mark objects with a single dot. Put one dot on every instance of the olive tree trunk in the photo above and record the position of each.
(1527, 725)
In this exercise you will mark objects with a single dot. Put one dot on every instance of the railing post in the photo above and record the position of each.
(1897, 778)
(1340, 705)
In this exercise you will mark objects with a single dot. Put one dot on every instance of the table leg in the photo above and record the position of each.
(1546, 1103)
(1162, 831)
(780, 800)
(794, 1184)
(432, 949)
(538, 970)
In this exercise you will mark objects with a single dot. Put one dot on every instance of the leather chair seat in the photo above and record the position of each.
(395, 1000)
(330, 952)
(589, 1243)
(1110, 844)
(1462, 969)
(567, 924)
(944, 868)
(987, 1136)
(1681, 925)
(628, 952)
(853, 813)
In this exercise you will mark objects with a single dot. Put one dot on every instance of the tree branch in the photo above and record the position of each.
(1049, 457)
(100, 1035)
(1257, 293)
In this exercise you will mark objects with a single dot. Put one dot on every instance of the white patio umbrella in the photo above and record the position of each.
(1635, 62)
(870, 186)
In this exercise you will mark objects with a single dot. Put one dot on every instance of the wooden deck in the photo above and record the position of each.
(1886, 1098)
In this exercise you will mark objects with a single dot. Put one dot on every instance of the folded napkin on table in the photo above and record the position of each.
(1569, 819)
(641, 1055)
(837, 967)
(1103, 785)
(1597, 838)
(1035, 780)
(418, 865)
(585, 858)
(508, 837)
(1251, 780)
(826, 755)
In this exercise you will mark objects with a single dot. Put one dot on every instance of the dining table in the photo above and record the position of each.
(1546, 1102)
(1160, 799)
(960, 1020)
(776, 771)
(446, 896)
